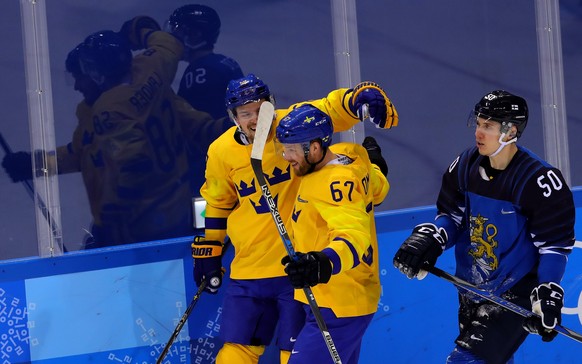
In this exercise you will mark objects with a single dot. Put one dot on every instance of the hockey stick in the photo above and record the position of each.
(264, 122)
(8, 150)
(186, 314)
(498, 300)
(182, 321)
(30, 189)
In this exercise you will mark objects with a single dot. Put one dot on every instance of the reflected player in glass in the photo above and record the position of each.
(206, 77)
(207, 74)
(128, 144)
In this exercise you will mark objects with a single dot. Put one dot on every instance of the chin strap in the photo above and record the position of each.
(502, 144)
(241, 137)
(312, 165)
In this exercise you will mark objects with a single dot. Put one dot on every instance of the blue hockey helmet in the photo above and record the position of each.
(198, 26)
(245, 90)
(503, 107)
(304, 124)
(82, 82)
(72, 64)
(105, 57)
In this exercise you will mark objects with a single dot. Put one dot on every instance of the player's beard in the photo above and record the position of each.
(250, 134)
(301, 168)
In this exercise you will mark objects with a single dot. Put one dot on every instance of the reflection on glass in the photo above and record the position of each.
(206, 76)
(431, 70)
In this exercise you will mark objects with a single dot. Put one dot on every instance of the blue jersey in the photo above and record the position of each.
(204, 83)
(506, 223)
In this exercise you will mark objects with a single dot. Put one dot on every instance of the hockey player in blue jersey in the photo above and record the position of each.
(207, 75)
(510, 217)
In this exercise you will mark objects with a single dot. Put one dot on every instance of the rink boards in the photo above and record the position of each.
(120, 305)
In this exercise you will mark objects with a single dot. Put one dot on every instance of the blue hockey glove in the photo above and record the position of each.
(207, 256)
(379, 107)
(375, 154)
(547, 300)
(309, 269)
(18, 166)
(420, 249)
(133, 30)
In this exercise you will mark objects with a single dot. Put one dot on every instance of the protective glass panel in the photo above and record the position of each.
(434, 63)
(571, 32)
(17, 214)
(124, 174)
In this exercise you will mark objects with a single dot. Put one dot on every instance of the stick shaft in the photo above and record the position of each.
(30, 190)
(182, 322)
(261, 135)
(498, 300)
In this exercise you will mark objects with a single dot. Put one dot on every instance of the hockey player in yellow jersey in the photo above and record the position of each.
(128, 144)
(259, 298)
(333, 232)
(131, 137)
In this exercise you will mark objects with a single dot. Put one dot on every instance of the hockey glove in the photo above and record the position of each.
(375, 154)
(420, 249)
(309, 269)
(18, 166)
(547, 300)
(132, 31)
(207, 256)
(380, 109)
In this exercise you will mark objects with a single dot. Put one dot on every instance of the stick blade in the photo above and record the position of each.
(264, 122)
